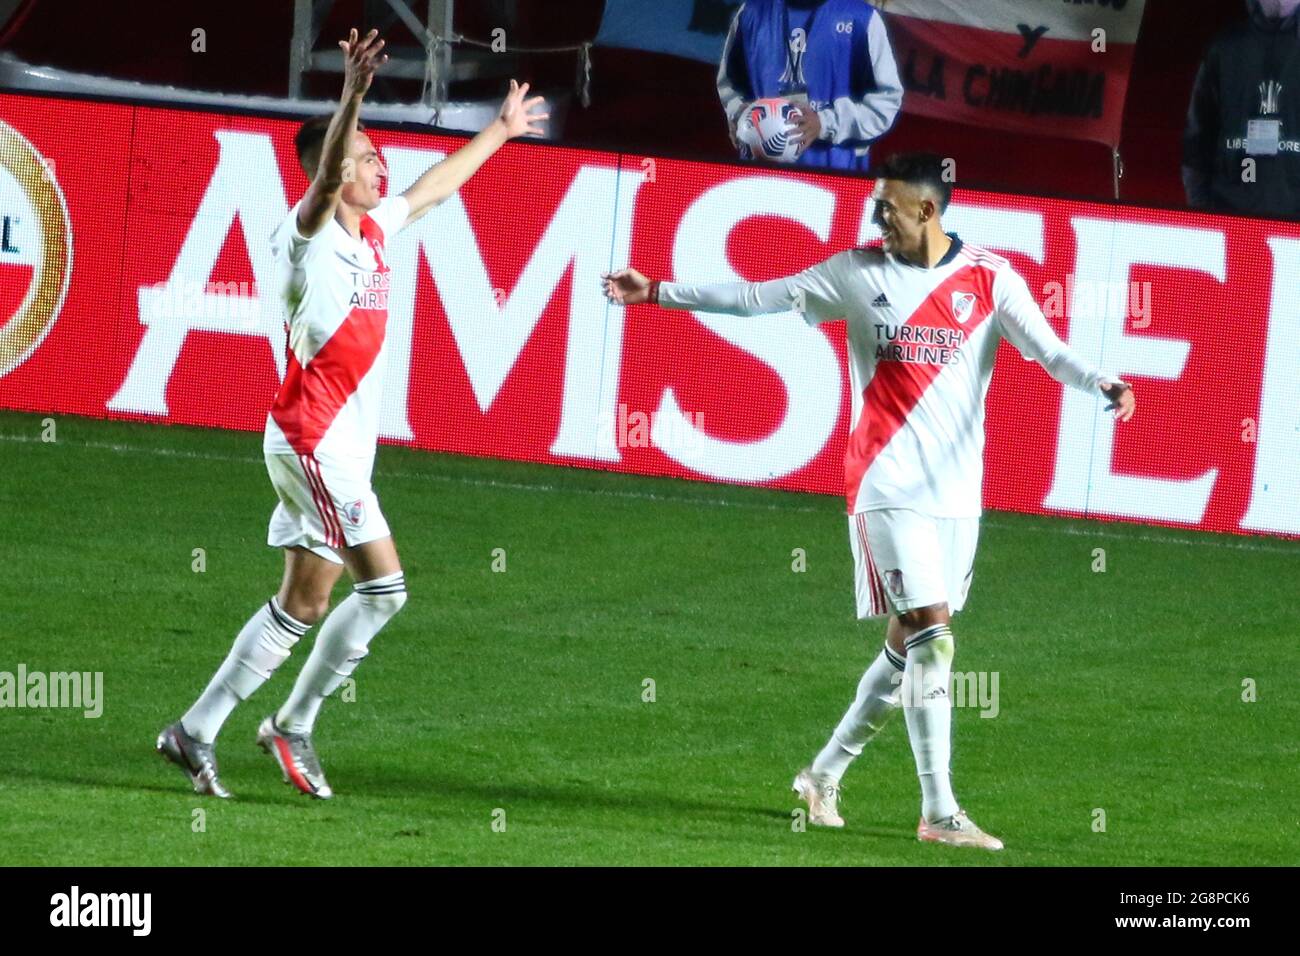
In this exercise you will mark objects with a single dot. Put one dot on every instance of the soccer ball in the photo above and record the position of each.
(765, 127)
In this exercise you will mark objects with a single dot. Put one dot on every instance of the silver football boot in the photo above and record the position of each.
(195, 758)
(296, 757)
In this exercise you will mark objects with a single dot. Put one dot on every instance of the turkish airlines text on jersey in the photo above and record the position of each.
(136, 281)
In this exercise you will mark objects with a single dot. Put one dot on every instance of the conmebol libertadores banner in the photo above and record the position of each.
(136, 281)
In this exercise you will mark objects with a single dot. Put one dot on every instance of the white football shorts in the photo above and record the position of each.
(903, 560)
(324, 506)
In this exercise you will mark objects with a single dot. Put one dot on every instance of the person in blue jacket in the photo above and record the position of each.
(830, 56)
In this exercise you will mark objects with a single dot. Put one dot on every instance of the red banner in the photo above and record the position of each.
(137, 283)
(1032, 66)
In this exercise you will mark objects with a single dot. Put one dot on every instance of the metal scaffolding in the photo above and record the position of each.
(432, 62)
(433, 65)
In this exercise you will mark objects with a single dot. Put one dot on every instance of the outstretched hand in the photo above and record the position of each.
(1122, 400)
(626, 287)
(360, 60)
(517, 113)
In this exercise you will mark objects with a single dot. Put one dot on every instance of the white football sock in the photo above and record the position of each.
(875, 703)
(261, 647)
(928, 712)
(343, 641)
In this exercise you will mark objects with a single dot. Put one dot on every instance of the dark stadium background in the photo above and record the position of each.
(644, 102)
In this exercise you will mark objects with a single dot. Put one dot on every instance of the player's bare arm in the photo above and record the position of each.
(518, 117)
(361, 57)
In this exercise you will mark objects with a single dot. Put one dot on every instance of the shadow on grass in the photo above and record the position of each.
(385, 783)
(179, 785)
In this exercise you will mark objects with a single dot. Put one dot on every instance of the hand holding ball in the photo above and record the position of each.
(767, 128)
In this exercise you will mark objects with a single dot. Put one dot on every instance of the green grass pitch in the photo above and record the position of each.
(522, 691)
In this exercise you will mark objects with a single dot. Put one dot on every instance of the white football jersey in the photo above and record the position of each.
(336, 299)
(921, 348)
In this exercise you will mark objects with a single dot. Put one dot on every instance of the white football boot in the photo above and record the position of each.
(822, 795)
(956, 830)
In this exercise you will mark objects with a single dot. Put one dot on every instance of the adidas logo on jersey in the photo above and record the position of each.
(881, 302)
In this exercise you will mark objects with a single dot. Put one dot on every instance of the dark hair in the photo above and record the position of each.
(310, 138)
(918, 169)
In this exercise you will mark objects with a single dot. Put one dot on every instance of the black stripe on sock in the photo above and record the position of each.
(293, 627)
(929, 634)
(377, 587)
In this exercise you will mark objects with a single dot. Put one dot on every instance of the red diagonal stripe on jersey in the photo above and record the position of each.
(897, 386)
(373, 235)
(310, 398)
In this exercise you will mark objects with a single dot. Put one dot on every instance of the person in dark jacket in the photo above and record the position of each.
(1241, 148)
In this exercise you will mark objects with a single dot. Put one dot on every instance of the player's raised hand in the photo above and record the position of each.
(517, 113)
(1122, 400)
(360, 60)
(626, 287)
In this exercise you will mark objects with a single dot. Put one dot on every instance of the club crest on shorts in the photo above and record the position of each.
(356, 512)
(894, 579)
(963, 304)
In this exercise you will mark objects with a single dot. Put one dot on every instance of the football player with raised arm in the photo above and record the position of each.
(323, 426)
(924, 314)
